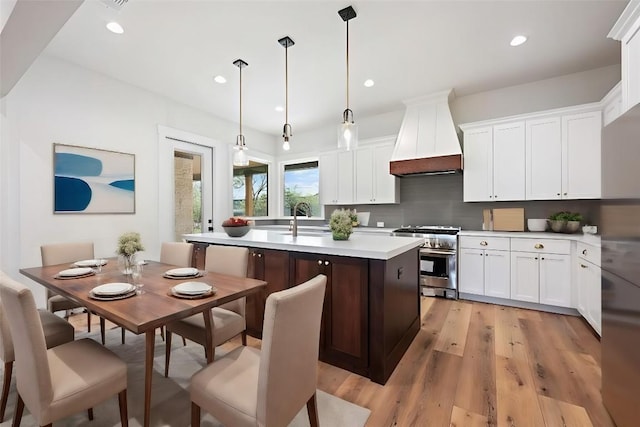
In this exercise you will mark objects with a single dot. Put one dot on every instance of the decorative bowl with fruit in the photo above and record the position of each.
(236, 226)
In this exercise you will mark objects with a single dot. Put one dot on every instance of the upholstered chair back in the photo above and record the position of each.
(289, 356)
(60, 253)
(176, 253)
(32, 366)
(230, 260)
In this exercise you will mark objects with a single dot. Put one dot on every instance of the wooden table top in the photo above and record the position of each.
(155, 307)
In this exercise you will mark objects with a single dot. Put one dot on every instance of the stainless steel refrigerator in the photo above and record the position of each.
(620, 229)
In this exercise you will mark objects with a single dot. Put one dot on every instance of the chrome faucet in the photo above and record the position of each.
(303, 205)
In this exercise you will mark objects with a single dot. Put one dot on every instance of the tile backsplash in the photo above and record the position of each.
(437, 200)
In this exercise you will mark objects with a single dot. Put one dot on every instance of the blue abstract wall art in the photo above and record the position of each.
(90, 180)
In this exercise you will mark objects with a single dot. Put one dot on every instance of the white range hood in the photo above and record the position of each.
(427, 142)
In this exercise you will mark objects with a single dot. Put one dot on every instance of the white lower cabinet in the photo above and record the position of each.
(543, 273)
(589, 285)
(484, 271)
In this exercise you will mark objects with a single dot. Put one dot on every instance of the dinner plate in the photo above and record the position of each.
(172, 292)
(182, 272)
(111, 297)
(75, 272)
(111, 289)
(192, 288)
(90, 263)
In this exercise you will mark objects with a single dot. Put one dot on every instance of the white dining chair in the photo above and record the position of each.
(179, 254)
(268, 387)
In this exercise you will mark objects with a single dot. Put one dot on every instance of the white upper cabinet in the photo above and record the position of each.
(336, 177)
(373, 182)
(544, 159)
(547, 155)
(508, 161)
(478, 164)
(581, 144)
(627, 31)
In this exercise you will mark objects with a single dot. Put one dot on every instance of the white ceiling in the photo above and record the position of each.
(410, 48)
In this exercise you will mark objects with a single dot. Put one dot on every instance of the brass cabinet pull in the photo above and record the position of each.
(539, 246)
(584, 252)
(326, 263)
(319, 262)
(583, 266)
(259, 255)
(483, 243)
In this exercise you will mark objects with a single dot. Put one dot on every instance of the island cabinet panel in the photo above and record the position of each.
(199, 254)
(271, 266)
(394, 310)
(344, 335)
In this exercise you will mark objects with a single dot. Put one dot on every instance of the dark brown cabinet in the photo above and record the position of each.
(199, 255)
(344, 337)
(271, 266)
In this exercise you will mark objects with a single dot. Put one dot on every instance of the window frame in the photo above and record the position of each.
(281, 167)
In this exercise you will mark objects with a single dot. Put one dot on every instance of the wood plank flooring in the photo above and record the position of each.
(475, 364)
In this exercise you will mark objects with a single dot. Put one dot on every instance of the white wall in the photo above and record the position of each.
(56, 101)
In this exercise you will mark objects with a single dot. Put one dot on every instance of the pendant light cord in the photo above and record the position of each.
(240, 67)
(347, 65)
(286, 84)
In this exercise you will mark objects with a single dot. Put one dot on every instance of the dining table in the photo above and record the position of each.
(155, 306)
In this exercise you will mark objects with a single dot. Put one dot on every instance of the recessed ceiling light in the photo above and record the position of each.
(369, 83)
(279, 108)
(114, 27)
(220, 79)
(518, 40)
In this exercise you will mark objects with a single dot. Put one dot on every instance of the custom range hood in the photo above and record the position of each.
(427, 142)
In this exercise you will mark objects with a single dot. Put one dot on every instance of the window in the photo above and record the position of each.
(250, 190)
(301, 184)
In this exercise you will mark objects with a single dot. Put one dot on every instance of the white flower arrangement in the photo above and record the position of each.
(129, 244)
(340, 224)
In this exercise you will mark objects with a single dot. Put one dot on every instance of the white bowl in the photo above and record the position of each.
(537, 224)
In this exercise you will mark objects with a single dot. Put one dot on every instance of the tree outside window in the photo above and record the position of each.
(301, 184)
(250, 190)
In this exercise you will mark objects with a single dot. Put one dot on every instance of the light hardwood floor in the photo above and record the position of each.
(475, 364)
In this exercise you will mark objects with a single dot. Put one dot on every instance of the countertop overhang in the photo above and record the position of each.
(359, 245)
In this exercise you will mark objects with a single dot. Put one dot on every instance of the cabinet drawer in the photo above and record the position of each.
(476, 242)
(550, 246)
(589, 253)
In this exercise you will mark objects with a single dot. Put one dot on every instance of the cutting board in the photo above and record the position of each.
(508, 219)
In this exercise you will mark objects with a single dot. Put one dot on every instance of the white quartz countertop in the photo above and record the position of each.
(359, 245)
(592, 239)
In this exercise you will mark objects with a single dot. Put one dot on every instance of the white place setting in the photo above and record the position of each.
(112, 291)
(192, 290)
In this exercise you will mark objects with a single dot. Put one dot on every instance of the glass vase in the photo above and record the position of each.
(126, 263)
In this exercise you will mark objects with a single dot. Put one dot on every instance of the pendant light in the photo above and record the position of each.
(286, 130)
(240, 156)
(347, 130)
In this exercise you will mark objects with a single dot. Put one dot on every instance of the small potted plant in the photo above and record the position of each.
(565, 222)
(128, 245)
(340, 224)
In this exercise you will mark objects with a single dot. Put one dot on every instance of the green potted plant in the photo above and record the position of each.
(340, 224)
(565, 222)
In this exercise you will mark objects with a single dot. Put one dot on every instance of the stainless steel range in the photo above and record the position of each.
(438, 258)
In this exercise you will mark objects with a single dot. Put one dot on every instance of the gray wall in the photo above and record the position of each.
(437, 200)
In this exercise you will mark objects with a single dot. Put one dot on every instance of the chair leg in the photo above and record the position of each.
(17, 416)
(167, 353)
(162, 332)
(88, 320)
(90, 414)
(102, 329)
(6, 384)
(195, 415)
(122, 332)
(184, 341)
(312, 410)
(243, 335)
(122, 401)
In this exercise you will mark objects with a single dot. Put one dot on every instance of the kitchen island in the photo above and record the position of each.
(371, 311)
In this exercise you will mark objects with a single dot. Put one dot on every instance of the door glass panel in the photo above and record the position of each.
(250, 190)
(188, 193)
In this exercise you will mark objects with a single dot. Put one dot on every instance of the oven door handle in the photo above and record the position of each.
(436, 252)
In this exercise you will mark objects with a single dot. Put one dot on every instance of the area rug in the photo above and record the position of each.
(170, 404)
